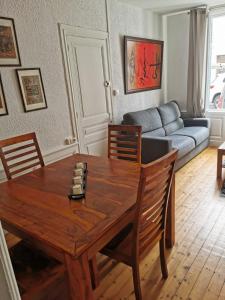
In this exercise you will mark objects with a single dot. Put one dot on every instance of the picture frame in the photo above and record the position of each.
(3, 105)
(31, 89)
(9, 50)
(143, 59)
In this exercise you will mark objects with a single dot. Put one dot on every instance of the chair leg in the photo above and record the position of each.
(137, 282)
(94, 273)
(163, 258)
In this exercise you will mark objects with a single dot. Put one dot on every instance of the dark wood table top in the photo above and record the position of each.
(37, 203)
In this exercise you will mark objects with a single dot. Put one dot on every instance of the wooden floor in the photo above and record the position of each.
(197, 262)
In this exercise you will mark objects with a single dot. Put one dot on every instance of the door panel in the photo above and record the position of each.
(89, 70)
(98, 148)
(91, 80)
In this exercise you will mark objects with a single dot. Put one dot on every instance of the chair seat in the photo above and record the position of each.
(120, 246)
(38, 276)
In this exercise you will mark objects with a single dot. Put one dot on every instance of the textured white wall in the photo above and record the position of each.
(129, 20)
(39, 44)
(177, 68)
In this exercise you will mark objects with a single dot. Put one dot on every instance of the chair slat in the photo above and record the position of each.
(123, 136)
(121, 149)
(119, 142)
(22, 162)
(123, 155)
(158, 175)
(21, 155)
(19, 148)
(146, 231)
(25, 168)
(156, 230)
(152, 198)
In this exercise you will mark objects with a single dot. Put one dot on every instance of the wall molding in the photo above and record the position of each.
(52, 156)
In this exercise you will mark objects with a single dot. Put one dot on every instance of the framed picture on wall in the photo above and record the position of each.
(3, 106)
(143, 64)
(9, 51)
(32, 89)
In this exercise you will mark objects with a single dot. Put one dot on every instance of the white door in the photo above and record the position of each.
(89, 81)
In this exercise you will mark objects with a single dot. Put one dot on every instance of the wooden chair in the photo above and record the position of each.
(148, 227)
(20, 154)
(124, 142)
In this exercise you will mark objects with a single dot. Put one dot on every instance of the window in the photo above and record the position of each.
(216, 64)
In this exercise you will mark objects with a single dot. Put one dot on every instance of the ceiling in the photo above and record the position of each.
(162, 6)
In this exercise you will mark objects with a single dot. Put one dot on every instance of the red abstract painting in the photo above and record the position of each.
(143, 64)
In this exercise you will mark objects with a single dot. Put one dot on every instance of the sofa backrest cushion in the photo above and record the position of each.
(169, 112)
(173, 126)
(170, 115)
(149, 119)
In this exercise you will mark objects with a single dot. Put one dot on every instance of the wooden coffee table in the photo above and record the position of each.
(220, 154)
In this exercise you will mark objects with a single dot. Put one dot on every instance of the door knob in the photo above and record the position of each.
(106, 83)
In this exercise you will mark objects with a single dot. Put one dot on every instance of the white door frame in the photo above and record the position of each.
(67, 31)
(7, 268)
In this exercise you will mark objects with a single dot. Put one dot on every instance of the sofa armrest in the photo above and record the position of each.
(204, 122)
(154, 148)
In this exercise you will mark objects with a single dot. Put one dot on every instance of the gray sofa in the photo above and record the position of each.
(163, 128)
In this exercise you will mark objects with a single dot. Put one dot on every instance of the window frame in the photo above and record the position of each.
(212, 14)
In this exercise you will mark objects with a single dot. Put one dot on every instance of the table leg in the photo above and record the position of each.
(170, 222)
(94, 272)
(219, 164)
(79, 277)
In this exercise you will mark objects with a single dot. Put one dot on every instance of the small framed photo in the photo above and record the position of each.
(32, 89)
(9, 51)
(3, 106)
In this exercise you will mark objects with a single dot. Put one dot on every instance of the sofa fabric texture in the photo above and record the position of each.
(163, 128)
(199, 134)
(142, 118)
(169, 112)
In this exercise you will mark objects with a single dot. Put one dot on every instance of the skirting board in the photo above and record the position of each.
(52, 156)
(214, 143)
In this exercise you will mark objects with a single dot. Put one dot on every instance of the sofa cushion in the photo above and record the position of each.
(174, 126)
(199, 134)
(154, 133)
(184, 144)
(149, 119)
(169, 112)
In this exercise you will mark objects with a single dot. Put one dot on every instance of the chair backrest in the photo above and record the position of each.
(152, 201)
(124, 142)
(20, 154)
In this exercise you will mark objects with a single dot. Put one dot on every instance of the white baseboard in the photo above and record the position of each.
(52, 156)
(215, 143)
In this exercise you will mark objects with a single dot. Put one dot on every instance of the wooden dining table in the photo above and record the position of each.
(36, 207)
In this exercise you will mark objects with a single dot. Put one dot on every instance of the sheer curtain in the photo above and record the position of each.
(197, 63)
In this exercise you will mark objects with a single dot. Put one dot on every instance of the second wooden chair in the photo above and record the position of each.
(124, 142)
(135, 241)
